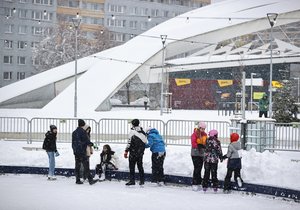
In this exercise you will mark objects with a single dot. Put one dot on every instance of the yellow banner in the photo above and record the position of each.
(224, 83)
(258, 95)
(181, 82)
(276, 84)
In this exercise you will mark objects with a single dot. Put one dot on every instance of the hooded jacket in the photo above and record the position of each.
(136, 142)
(213, 150)
(198, 141)
(233, 149)
(50, 142)
(264, 103)
(155, 141)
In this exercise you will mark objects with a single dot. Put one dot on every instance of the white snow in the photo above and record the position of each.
(35, 193)
(280, 169)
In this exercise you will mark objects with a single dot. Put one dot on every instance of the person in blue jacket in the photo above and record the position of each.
(157, 147)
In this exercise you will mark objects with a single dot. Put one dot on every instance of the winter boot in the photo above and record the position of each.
(215, 189)
(204, 189)
(130, 183)
(142, 182)
(79, 182)
(93, 181)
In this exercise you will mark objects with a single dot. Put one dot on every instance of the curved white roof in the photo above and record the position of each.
(105, 73)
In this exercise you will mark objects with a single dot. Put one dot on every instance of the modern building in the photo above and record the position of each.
(23, 24)
(128, 18)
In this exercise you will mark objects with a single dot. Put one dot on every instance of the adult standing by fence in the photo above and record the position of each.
(198, 141)
(136, 147)
(80, 141)
(49, 145)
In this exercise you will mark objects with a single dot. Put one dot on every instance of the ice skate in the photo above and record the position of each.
(239, 182)
(204, 189)
(195, 187)
(130, 183)
(51, 178)
(215, 189)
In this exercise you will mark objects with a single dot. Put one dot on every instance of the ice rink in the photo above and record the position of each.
(34, 192)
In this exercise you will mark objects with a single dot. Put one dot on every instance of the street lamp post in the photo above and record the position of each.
(251, 92)
(298, 89)
(76, 22)
(163, 40)
(272, 20)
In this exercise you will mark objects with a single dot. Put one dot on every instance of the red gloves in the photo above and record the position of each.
(126, 154)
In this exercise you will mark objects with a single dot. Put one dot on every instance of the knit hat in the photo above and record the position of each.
(135, 122)
(81, 123)
(52, 127)
(202, 125)
(213, 133)
(234, 137)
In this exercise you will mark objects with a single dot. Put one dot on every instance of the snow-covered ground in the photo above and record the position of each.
(34, 192)
(279, 169)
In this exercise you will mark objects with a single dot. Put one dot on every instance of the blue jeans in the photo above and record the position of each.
(51, 163)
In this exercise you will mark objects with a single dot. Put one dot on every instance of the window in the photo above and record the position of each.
(116, 8)
(8, 12)
(20, 75)
(166, 13)
(8, 28)
(34, 44)
(44, 2)
(36, 30)
(37, 15)
(23, 1)
(133, 24)
(22, 29)
(117, 37)
(22, 45)
(7, 75)
(154, 12)
(7, 59)
(73, 3)
(144, 25)
(133, 11)
(144, 11)
(21, 60)
(8, 44)
(22, 13)
(116, 23)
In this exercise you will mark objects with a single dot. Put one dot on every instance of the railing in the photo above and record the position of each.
(176, 132)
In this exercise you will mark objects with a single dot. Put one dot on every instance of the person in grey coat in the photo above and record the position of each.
(234, 162)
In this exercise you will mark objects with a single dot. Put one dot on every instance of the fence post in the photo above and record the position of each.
(29, 130)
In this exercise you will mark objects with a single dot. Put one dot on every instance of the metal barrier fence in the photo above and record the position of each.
(179, 131)
(287, 137)
(176, 132)
(116, 130)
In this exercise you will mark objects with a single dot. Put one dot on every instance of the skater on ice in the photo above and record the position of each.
(234, 163)
(136, 147)
(108, 161)
(49, 145)
(213, 152)
(157, 147)
(80, 142)
(198, 141)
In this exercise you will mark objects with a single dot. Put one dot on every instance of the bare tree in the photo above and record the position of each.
(59, 47)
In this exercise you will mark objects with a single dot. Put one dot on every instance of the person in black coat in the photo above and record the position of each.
(49, 145)
(80, 141)
(136, 147)
(108, 160)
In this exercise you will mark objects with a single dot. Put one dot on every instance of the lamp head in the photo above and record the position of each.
(272, 18)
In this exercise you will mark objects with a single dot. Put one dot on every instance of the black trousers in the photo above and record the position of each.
(210, 168)
(237, 173)
(86, 167)
(136, 160)
(265, 113)
(158, 167)
(198, 164)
